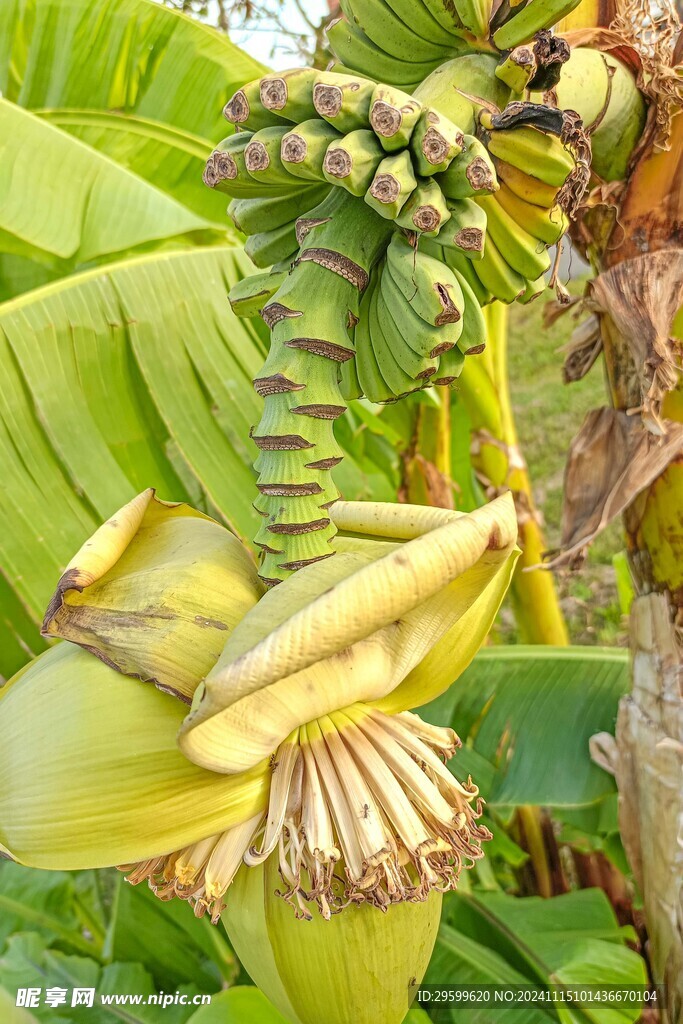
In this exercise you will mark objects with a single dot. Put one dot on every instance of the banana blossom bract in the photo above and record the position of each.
(299, 756)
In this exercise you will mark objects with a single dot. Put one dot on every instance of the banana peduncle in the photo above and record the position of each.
(311, 318)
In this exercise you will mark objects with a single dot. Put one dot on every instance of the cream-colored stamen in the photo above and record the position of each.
(362, 809)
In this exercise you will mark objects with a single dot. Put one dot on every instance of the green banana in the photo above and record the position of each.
(530, 189)
(370, 377)
(303, 150)
(262, 158)
(358, 52)
(245, 109)
(496, 274)
(343, 100)
(458, 89)
(472, 339)
(248, 297)
(289, 93)
(418, 368)
(417, 14)
(426, 339)
(532, 18)
(349, 383)
(465, 268)
(450, 367)
(426, 210)
(518, 68)
(266, 213)
(268, 247)
(434, 143)
(471, 173)
(379, 23)
(475, 16)
(427, 285)
(466, 230)
(533, 290)
(546, 224)
(226, 171)
(524, 253)
(535, 152)
(353, 160)
(398, 381)
(443, 11)
(393, 115)
(392, 185)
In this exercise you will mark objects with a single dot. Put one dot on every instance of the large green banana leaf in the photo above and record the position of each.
(493, 939)
(73, 206)
(141, 83)
(526, 715)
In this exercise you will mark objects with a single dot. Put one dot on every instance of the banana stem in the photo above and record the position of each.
(311, 318)
(486, 393)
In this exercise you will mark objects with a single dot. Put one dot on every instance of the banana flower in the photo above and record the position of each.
(197, 730)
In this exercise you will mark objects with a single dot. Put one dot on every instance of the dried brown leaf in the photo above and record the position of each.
(611, 460)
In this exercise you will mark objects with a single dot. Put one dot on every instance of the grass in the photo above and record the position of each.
(548, 415)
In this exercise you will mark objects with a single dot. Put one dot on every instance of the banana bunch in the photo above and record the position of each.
(403, 41)
(372, 140)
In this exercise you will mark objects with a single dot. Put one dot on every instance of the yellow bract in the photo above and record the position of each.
(90, 772)
(356, 627)
(155, 592)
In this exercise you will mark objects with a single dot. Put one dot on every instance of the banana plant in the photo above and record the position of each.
(219, 726)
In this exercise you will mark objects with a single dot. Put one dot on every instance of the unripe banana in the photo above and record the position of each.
(289, 94)
(343, 100)
(426, 339)
(303, 150)
(398, 380)
(496, 274)
(419, 16)
(248, 297)
(444, 12)
(245, 109)
(428, 286)
(435, 142)
(265, 213)
(392, 185)
(353, 160)
(546, 224)
(518, 68)
(426, 211)
(226, 170)
(417, 367)
(535, 152)
(466, 230)
(370, 377)
(525, 254)
(376, 19)
(269, 247)
(356, 50)
(471, 173)
(262, 157)
(532, 18)
(533, 290)
(475, 16)
(465, 268)
(393, 116)
(528, 188)
(472, 338)
(450, 367)
(456, 86)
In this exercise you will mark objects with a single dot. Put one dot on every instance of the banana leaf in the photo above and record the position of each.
(526, 715)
